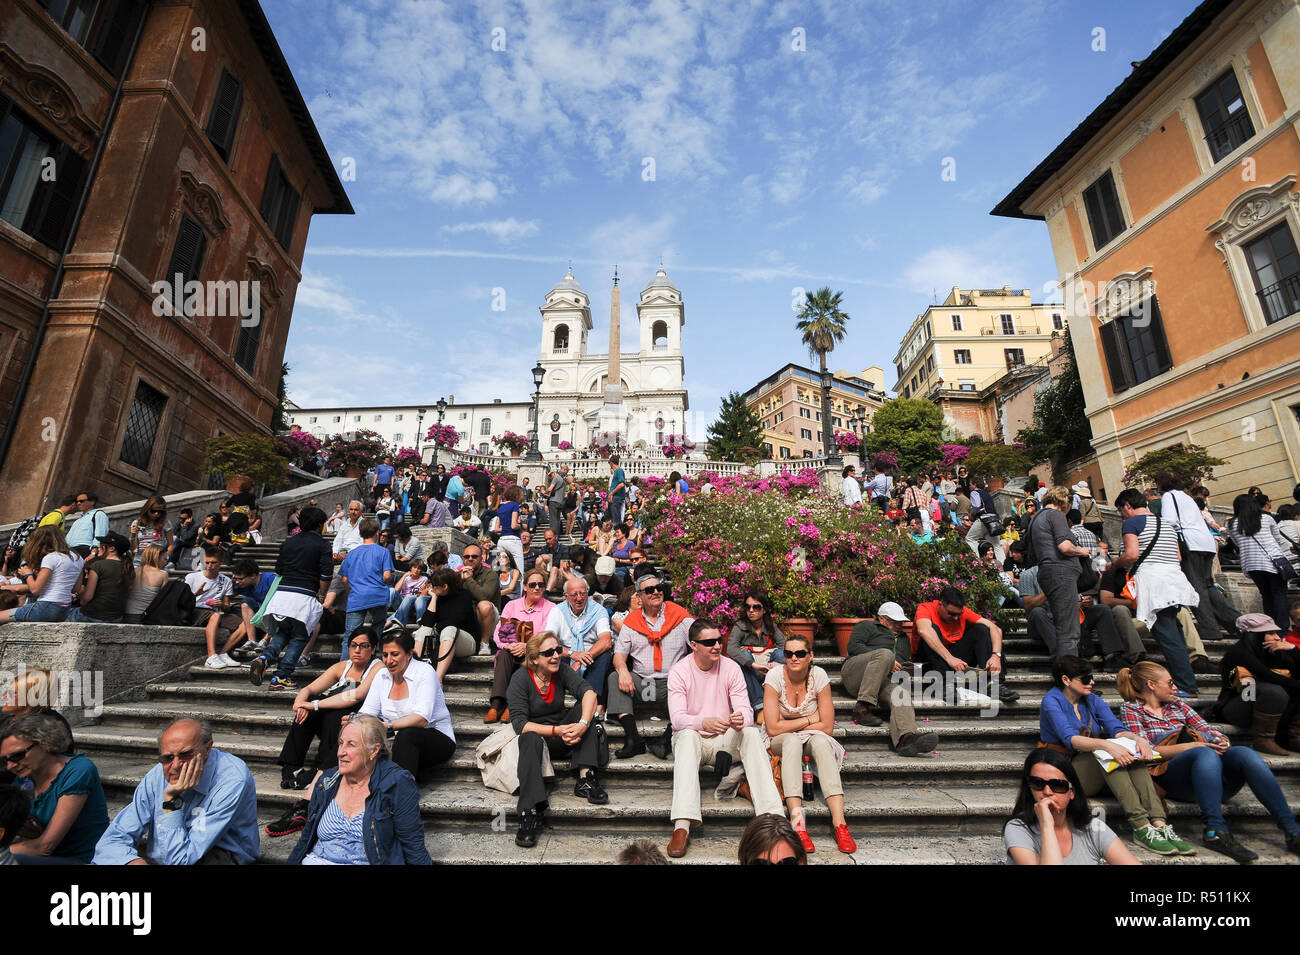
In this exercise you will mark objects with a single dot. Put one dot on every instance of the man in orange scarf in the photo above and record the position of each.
(651, 641)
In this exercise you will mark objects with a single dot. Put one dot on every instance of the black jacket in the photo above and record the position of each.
(173, 606)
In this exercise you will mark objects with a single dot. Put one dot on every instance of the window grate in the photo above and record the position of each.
(142, 426)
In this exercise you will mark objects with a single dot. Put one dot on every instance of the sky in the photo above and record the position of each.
(758, 149)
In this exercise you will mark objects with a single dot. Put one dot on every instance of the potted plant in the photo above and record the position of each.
(1190, 462)
(246, 459)
(354, 455)
(443, 435)
(298, 446)
(516, 444)
(407, 457)
(847, 441)
(996, 462)
(564, 446)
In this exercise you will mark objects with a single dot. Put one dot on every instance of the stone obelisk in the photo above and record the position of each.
(611, 414)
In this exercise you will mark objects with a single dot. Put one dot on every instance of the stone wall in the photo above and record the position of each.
(97, 663)
(455, 541)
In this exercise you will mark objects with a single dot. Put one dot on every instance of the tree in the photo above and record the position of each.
(1190, 462)
(737, 432)
(822, 324)
(991, 459)
(280, 413)
(912, 428)
(1060, 430)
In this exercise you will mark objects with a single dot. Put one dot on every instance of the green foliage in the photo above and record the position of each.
(821, 322)
(1060, 430)
(280, 413)
(910, 427)
(1191, 462)
(250, 454)
(996, 460)
(738, 432)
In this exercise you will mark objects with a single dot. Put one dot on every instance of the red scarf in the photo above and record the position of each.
(673, 615)
(549, 695)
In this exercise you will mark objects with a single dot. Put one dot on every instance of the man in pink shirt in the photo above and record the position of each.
(712, 722)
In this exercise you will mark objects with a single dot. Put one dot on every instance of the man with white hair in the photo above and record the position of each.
(347, 538)
(582, 626)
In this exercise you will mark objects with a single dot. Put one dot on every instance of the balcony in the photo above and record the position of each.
(1281, 298)
(1228, 135)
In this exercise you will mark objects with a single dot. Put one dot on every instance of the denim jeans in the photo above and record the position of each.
(39, 611)
(1202, 776)
(616, 510)
(403, 608)
(1169, 635)
(754, 682)
(357, 618)
(76, 616)
(294, 633)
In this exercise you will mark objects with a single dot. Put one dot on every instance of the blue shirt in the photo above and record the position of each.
(455, 488)
(1057, 722)
(79, 777)
(254, 595)
(88, 528)
(503, 513)
(220, 812)
(364, 568)
(384, 474)
(615, 479)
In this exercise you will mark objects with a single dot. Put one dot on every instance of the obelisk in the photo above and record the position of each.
(611, 415)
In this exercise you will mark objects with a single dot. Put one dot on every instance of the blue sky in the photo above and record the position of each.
(774, 169)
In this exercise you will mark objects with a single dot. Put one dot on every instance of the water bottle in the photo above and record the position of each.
(807, 780)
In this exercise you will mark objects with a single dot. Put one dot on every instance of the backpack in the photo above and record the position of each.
(173, 606)
(23, 531)
(1031, 556)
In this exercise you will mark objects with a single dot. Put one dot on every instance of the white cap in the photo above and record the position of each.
(1082, 488)
(893, 612)
(605, 565)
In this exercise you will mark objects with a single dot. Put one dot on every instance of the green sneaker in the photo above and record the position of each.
(1154, 839)
(1171, 837)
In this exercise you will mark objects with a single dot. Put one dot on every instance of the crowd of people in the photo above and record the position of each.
(593, 622)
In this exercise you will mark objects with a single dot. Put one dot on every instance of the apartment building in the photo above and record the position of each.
(790, 404)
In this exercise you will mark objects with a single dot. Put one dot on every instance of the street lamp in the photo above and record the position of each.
(828, 437)
(442, 409)
(419, 429)
(534, 454)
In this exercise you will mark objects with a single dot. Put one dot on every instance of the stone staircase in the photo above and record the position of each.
(948, 806)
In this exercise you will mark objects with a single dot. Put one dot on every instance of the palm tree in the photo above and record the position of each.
(822, 324)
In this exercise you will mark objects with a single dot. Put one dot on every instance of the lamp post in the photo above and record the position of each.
(419, 429)
(442, 409)
(534, 453)
(828, 437)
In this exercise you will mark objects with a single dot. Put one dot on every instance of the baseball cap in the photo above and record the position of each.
(893, 612)
(1257, 623)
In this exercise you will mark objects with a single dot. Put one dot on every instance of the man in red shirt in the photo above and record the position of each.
(954, 637)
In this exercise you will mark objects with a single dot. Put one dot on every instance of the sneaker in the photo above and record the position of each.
(530, 824)
(230, 661)
(256, 669)
(248, 646)
(1154, 839)
(843, 841)
(283, 684)
(805, 839)
(169, 566)
(217, 662)
(293, 820)
(1223, 842)
(295, 778)
(1183, 847)
(589, 787)
(304, 660)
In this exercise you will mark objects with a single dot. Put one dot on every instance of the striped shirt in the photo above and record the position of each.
(1177, 714)
(1166, 549)
(1257, 550)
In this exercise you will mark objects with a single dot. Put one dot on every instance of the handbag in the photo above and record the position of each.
(992, 523)
(1284, 568)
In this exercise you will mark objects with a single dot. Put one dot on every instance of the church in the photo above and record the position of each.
(636, 395)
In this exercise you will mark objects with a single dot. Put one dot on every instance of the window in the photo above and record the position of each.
(1008, 324)
(37, 195)
(805, 413)
(485, 426)
(966, 385)
(225, 114)
(461, 436)
(1058, 322)
(1224, 116)
(397, 417)
(313, 420)
(379, 417)
(397, 438)
(807, 454)
(780, 416)
(142, 426)
(1135, 347)
(907, 391)
(356, 418)
(560, 341)
(103, 27)
(250, 337)
(961, 356)
(1104, 216)
(279, 203)
(187, 253)
(805, 433)
(659, 336)
(929, 365)
(1014, 356)
(819, 416)
(337, 418)
(1275, 268)
(956, 323)
(785, 452)
(483, 448)
(532, 413)
(836, 423)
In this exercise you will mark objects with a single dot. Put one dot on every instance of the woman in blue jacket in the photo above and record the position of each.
(367, 812)
(1078, 724)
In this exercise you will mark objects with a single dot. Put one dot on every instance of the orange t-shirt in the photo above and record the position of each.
(951, 633)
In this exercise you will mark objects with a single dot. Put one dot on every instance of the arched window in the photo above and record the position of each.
(483, 448)
(561, 341)
(659, 335)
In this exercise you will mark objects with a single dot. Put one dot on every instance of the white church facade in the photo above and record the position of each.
(638, 394)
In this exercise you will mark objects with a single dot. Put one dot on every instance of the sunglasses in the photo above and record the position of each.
(550, 653)
(1087, 679)
(652, 589)
(184, 757)
(19, 756)
(798, 654)
(1058, 786)
(83, 500)
(536, 585)
(709, 643)
(754, 607)
(471, 556)
(788, 860)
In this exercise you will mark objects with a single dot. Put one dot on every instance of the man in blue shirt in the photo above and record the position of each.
(87, 529)
(251, 588)
(383, 477)
(197, 807)
(617, 490)
(367, 571)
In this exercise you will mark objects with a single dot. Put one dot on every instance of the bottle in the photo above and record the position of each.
(807, 780)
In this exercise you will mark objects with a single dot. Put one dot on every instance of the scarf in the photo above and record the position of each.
(581, 626)
(673, 615)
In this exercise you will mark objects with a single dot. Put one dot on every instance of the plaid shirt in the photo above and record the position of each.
(1084, 537)
(1138, 719)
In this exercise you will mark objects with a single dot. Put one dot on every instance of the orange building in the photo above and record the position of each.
(1174, 216)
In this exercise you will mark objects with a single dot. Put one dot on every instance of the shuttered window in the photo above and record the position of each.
(279, 203)
(187, 253)
(225, 114)
(103, 27)
(40, 177)
(1101, 201)
(250, 338)
(1135, 346)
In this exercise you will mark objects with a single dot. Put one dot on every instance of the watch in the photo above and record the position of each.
(172, 804)
(584, 722)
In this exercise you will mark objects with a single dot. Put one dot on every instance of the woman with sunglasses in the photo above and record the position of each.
(1205, 769)
(769, 839)
(799, 717)
(452, 614)
(1052, 823)
(1075, 722)
(539, 716)
(757, 644)
(520, 619)
(151, 527)
(628, 600)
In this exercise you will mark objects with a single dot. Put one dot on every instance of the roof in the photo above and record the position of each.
(567, 284)
(1144, 75)
(267, 45)
(661, 280)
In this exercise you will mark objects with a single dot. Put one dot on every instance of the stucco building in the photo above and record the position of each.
(790, 404)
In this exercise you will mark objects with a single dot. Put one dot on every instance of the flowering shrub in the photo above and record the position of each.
(847, 441)
(407, 457)
(363, 450)
(676, 444)
(885, 460)
(443, 435)
(500, 479)
(515, 443)
(952, 453)
(298, 446)
(564, 446)
(815, 557)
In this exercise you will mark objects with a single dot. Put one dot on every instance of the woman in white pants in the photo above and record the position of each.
(511, 524)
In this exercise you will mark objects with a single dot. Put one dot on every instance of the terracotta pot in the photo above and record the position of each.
(842, 628)
(355, 472)
(234, 482)
(799, 627)
(996, 484)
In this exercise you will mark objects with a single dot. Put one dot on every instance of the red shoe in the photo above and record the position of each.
(806, 840)
(844, 840)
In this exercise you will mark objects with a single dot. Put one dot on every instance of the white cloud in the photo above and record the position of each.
(506, 230)
(460, 190)
(986, 264)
